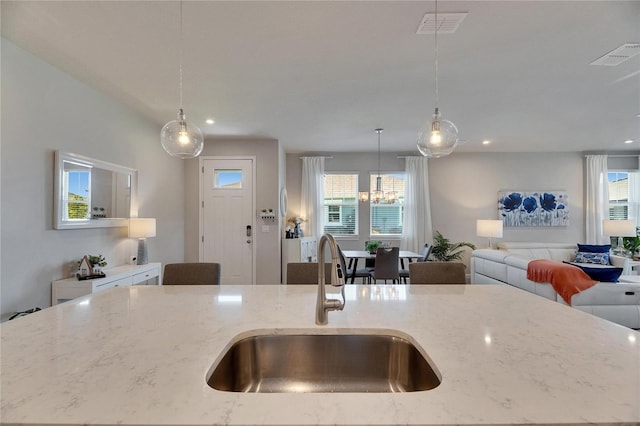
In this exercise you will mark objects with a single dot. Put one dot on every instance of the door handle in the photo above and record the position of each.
(248, 241)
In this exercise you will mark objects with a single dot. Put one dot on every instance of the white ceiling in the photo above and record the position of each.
(322, 75)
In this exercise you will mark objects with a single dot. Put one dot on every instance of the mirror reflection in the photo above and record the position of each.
(92, 193)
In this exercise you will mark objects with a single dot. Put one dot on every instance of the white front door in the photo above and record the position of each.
(227, 217)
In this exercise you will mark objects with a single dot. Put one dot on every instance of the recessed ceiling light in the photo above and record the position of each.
(210, 121)
(486, 142)
(629, 141)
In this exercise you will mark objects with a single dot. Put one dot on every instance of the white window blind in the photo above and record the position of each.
(340, 204)
(386, 215)
(619, 196)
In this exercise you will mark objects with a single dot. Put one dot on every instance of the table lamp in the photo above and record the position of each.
(489, 228)
(142, 228)
(619, 228)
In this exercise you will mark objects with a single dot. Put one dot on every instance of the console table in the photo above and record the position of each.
(120, 276)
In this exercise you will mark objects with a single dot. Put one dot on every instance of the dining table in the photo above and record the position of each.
(354, 255)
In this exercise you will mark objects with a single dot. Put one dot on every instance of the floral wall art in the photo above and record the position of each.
(533, 208)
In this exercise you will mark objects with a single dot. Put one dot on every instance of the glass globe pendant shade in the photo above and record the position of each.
(181, 138)
(437, 138)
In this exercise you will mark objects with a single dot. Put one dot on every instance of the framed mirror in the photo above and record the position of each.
(90, 193)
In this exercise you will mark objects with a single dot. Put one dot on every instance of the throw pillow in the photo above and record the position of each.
(593, 248)
(598, 258)
(604, 274)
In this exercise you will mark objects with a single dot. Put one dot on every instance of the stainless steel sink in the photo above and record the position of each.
(323, 363)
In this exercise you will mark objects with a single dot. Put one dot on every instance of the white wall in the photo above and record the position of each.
(43, 110)
(267, 244)
(464, 188)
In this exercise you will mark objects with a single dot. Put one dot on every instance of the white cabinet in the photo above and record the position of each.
(298, 250)
(120, 276)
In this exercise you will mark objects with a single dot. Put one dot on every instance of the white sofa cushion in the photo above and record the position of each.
(552, 251)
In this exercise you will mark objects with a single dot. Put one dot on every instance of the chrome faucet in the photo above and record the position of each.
(324, 305)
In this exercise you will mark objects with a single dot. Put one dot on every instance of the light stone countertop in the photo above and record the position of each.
(139, 355)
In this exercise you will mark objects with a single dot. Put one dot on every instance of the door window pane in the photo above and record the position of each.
(227, 179)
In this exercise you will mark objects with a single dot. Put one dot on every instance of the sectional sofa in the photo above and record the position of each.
(618, 302)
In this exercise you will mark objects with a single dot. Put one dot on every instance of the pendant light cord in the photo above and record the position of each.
(180, 55)
(378, 131)
(436, 53)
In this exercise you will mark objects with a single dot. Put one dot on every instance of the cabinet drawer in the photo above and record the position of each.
(142, 277)
(123, 282)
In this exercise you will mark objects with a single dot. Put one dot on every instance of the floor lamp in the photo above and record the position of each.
(489, 228)
(142, 228)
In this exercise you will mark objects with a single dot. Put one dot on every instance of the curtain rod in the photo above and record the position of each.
(616, 155)
(315, 156)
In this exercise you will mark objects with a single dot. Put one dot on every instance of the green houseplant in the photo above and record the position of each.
(445, 251)
(98, 260)
(632, 243)
(372, 246)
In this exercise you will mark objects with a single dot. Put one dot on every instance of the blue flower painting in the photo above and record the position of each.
(535, 208)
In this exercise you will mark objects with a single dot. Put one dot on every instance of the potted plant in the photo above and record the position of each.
(632, 244)
(445, 251)
(372, 246)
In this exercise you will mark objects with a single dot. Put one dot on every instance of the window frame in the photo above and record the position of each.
(68, 201)
(624, 204)
(399, 204)
(355, 205)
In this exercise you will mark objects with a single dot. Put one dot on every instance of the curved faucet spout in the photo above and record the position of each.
(324, 305)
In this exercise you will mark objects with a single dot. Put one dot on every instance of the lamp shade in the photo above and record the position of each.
(489, 228)
(619, 228)
(142, 227)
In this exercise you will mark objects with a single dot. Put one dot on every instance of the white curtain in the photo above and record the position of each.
(312, 195)
(416, 228)
(597, 203)
(634, 195)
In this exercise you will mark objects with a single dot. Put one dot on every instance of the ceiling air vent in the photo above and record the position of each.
(447, 23)
(618, 55)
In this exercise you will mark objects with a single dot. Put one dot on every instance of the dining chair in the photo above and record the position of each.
(437, 273)
(425, 251)
(387, 265)
(306, 273)
(201, 273)
(364, 273)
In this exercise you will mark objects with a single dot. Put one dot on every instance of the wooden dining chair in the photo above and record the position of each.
(437, 273)
(387, 265)
(306, 273)
(201, 273)
(425, 251)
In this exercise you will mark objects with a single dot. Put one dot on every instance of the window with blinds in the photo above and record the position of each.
(386, 213)
(619, 195)
(340, 204)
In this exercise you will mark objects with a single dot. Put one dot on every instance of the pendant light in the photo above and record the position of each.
(181, 138)
(437, 137)
(378, 195)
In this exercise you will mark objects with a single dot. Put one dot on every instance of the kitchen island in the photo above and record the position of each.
(140, 356)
